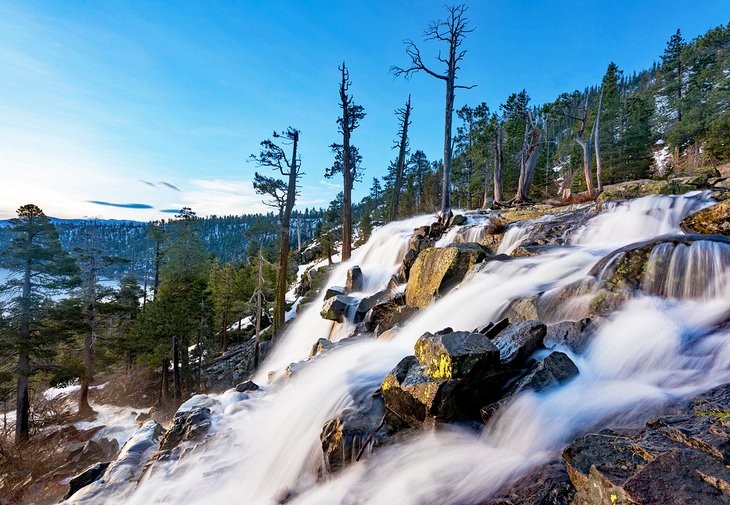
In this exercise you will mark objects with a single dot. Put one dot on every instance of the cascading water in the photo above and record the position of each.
(266, 449)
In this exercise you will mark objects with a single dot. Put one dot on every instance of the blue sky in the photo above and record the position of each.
(125, 109)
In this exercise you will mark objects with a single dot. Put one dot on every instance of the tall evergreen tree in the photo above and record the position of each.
(39, 268)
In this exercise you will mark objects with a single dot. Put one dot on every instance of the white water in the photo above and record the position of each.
(651, 352)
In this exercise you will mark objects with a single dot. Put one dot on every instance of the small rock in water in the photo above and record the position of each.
(572, 334)
(354, 279)
(248, 385)
(85, 478)
(454, 355)
(519, 341)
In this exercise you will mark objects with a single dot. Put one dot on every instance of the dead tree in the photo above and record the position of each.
(258, 295)
(451, 30)
(347, 158)
(498, 162)
(283, 196)
(566, 102)
(404, 117)
(528, 159)
(597, 143)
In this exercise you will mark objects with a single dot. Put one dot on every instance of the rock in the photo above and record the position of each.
(571, 334)
(711, 220)
(191, 421)
(708, 171)
(436, 270)
(722, 183)
(334, 291)
(366, 423)
(320, 345)
(553, 370)
(354, 280)
(335, 308)
(547, 484)
(420, 241)
(387, 297)
(417, 398)
(455, 355)
(126, 469)
(519, 341)
(142, 417)
(645, 187)
(387, 315)
(388, 334)
(410, 393)
(523, 309)
(85, 478)
(248, 385)
(458, 220)
(623, 271)
(679, 458)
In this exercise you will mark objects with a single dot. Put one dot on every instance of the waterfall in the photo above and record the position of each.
(266, 449)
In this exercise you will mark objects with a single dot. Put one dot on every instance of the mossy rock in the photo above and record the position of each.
(708, 171)
(711, 220)
(635, 189)
(436, 270)
(456, 354)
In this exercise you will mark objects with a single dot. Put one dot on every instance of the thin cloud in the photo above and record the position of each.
(122, 205)
(170, 211)
(148, 183)
(169, 186)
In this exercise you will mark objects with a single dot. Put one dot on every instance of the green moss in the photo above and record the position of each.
(714, 413)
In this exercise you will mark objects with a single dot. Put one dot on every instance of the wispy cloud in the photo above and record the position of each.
(169, 186)
(148, 183)
(122, 205)
(170, 211)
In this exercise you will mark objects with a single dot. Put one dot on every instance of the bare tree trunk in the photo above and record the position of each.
(259, 294)
(498, 165)
(285, 241)
(445, 210)
(586, 146)
(176, 380)
(404, 114)
(165, 381)
(596, 140)
(528, 159)
(485, 200)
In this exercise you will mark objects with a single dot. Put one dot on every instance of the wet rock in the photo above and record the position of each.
(142, 417)
(418, 399)
(458, 220)
(335, 308)
(85, 478)
(712, 220)
(623, 270)
(126, 469)
(519, 341)
(679, 458)
(320, 345)
(420, 241)
(436, 270)
(454, 355)
(645, 187)
(523, 309)
(553, 370)
(334, 291)
(248, 385)
(390, 298)
(571, 334)
(491, 329)
(191, 421)
(387, 315)
(357, 431)
(547, 484)
(354, 279)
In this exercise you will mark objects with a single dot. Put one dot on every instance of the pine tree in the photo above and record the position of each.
(39, 268)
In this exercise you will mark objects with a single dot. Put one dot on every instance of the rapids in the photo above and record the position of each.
(655, 350)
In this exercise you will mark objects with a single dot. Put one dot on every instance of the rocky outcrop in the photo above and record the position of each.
(436, 270)
(122, 473)
(85, 478)
(455, 355)
(519, 341)
(234, 365)
(712, 220)
(645, 187)
(335, 308)
(191, 421)
(354, 280)
(454, 374)
(677, 459)
(547, 484)
(571, 334)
